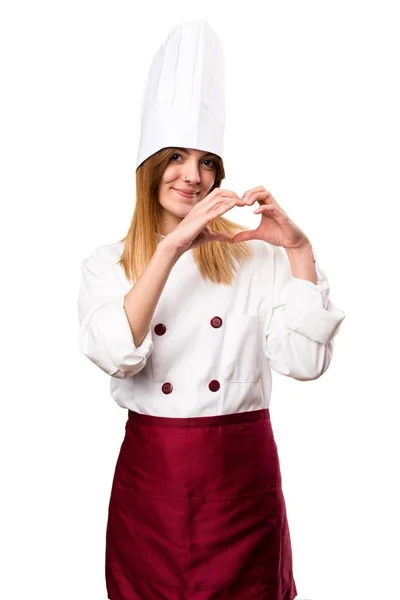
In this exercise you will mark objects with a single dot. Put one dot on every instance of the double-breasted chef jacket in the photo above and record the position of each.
(210, 348)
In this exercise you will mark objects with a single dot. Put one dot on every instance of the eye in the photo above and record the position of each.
(175, 154)
(209, 160)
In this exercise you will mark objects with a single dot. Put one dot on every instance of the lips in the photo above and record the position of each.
(186, 193)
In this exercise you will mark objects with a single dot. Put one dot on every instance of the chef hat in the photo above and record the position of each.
(184, 100)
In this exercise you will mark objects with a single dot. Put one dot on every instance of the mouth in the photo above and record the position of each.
(186, 194)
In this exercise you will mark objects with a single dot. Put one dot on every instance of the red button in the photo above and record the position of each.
(167, 387)
(160, 329)
(214, 385)
(216, 321)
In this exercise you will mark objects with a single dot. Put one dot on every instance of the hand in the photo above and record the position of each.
(193, 230)
(275, 227)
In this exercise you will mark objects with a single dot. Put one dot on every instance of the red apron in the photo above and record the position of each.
(197, 511)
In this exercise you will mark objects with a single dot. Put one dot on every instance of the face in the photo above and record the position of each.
(191, 171)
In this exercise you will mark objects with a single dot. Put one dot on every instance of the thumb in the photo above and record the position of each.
(219, 236)
(243, 236)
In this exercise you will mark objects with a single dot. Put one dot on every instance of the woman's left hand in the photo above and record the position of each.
(275, 227)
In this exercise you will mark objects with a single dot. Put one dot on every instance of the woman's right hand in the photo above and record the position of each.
(194, 231)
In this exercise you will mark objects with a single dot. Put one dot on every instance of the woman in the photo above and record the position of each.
(188, 314)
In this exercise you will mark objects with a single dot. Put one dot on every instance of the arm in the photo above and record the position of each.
(141, 301)
(302, 263)
(304, 321)
(114, 328)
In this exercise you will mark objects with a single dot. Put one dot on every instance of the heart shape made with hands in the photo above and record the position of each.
(275, 226)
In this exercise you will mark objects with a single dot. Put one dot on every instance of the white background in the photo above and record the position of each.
(313, 102)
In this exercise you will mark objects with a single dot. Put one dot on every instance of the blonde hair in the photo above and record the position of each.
(215, 260)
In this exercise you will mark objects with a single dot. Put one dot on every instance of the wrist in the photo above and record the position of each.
(305, 249)
(168, 246)
(302, 262)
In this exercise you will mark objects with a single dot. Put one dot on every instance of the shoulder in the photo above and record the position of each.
(103, 260)
(107, 253)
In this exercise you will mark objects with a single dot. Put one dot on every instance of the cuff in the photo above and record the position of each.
(110, 342)
(309, 311)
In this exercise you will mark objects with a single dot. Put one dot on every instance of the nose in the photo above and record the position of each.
(191, 172)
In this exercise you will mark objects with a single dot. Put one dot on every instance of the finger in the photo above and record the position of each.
(219, 236)
(255, 190)
(265, 208)
(232, 195)
(223, 206)
(245, 235)
(273, 208)
(265, 196)
(211, 203)
(224, 199)
(216, 195)
(221, 192)
(216, 210)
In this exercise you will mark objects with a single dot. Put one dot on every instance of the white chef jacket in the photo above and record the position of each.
(210, 347)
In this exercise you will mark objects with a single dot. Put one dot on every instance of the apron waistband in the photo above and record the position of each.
(207, 421)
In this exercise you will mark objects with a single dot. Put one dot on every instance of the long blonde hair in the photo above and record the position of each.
(215, 260)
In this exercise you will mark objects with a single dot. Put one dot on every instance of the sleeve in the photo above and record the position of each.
(105, 335)
(304, 321)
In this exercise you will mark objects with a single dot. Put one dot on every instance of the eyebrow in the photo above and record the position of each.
(186, 152)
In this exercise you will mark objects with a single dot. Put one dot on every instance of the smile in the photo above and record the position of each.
(186, 194)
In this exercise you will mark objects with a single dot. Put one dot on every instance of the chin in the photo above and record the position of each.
(179, 211)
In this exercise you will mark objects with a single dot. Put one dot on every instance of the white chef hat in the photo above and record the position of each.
(184, 100)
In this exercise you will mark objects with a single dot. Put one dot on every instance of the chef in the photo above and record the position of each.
(189, 314)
